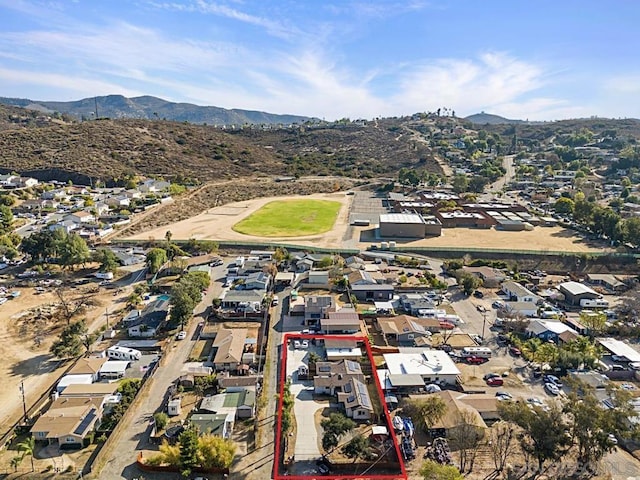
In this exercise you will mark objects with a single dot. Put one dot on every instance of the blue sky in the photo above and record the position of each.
(529, 59)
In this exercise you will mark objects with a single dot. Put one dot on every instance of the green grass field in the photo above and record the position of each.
(290, 218)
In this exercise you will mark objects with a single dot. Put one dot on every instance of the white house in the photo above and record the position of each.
(118, 201)
(81, 217)
(519, 293)
(434, 366)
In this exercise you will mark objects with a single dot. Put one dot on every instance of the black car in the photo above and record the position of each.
(478, 294)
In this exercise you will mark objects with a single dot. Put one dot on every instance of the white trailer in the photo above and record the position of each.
(122, 353)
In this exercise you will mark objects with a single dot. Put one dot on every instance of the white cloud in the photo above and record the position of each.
(623, 84)
(78, 86)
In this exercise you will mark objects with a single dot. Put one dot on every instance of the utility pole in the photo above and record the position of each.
(24, 403)
(106, 313)
(484, 322)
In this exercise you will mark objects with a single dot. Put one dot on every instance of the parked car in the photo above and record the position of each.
(504, 396)
(497, 304)
(478, 294)
(612, 439)
(495, 382)
(634, 365)
(552, 379)
(447, 326)
(490, 375)
(515, 351)
(551, 389)
(619, 358)
(473, 360)
(618, 368)
(274, 302)
(182, 335)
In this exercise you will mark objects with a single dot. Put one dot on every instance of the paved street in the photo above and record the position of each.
(136, 436)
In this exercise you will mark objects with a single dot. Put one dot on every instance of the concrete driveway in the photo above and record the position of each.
(305, 408)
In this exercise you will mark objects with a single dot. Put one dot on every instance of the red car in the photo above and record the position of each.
(473, 360)
(515, 351)
(495, 382)
(447, 326)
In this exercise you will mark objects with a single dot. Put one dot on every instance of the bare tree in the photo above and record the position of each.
(465, 438)
(500, 442)
(72, 305)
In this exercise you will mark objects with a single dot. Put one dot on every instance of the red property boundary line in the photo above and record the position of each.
(283, 379)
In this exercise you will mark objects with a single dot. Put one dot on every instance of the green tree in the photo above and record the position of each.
(425, 412)
(334, 427)
(188, 450)
(357, 447)
(460, 183)
(215, 452)
(544, 430)
(16, 461)
(156, 257)
(161, 420)
(564, 206)
(468, 281)
(591, 424)
(594, 321)
(6, 219)
(107, 259)
(431, 470)
(73, 250)
(28, 447)
(631, 231)
(73, 340)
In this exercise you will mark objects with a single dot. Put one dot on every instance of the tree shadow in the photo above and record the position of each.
(37, 365)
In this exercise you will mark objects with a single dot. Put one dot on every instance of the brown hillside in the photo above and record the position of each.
(48, 148)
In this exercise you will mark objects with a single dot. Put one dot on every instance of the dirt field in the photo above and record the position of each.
(216, 224)
(23, 359)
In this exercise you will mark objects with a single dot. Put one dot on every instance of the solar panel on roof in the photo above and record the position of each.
(86, 421)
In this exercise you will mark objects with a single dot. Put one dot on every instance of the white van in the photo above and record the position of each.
(483, 352)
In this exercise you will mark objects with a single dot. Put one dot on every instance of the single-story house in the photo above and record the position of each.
(318, 277)
(371, 292)
(491, 277)
(550, 330)
(415, 303)
(345, 320)
(608, 281)
(434, 366)
(240, 403)
(219, 425)
(404, 329)
(229, 347)
(528, 309)
(69, 421)
(519, 293)
(147, 322)
(88, 366)
(244, 300)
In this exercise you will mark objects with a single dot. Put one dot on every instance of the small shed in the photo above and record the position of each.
(174, 407)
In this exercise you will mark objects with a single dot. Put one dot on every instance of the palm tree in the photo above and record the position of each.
(28, 447)
(16, 461)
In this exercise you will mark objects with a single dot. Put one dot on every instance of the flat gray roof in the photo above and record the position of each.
(401, 218)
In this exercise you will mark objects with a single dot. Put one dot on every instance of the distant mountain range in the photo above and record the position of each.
(484, 118)
(151, 108)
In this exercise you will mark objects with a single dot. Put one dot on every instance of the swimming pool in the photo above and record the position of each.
(164, 297)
